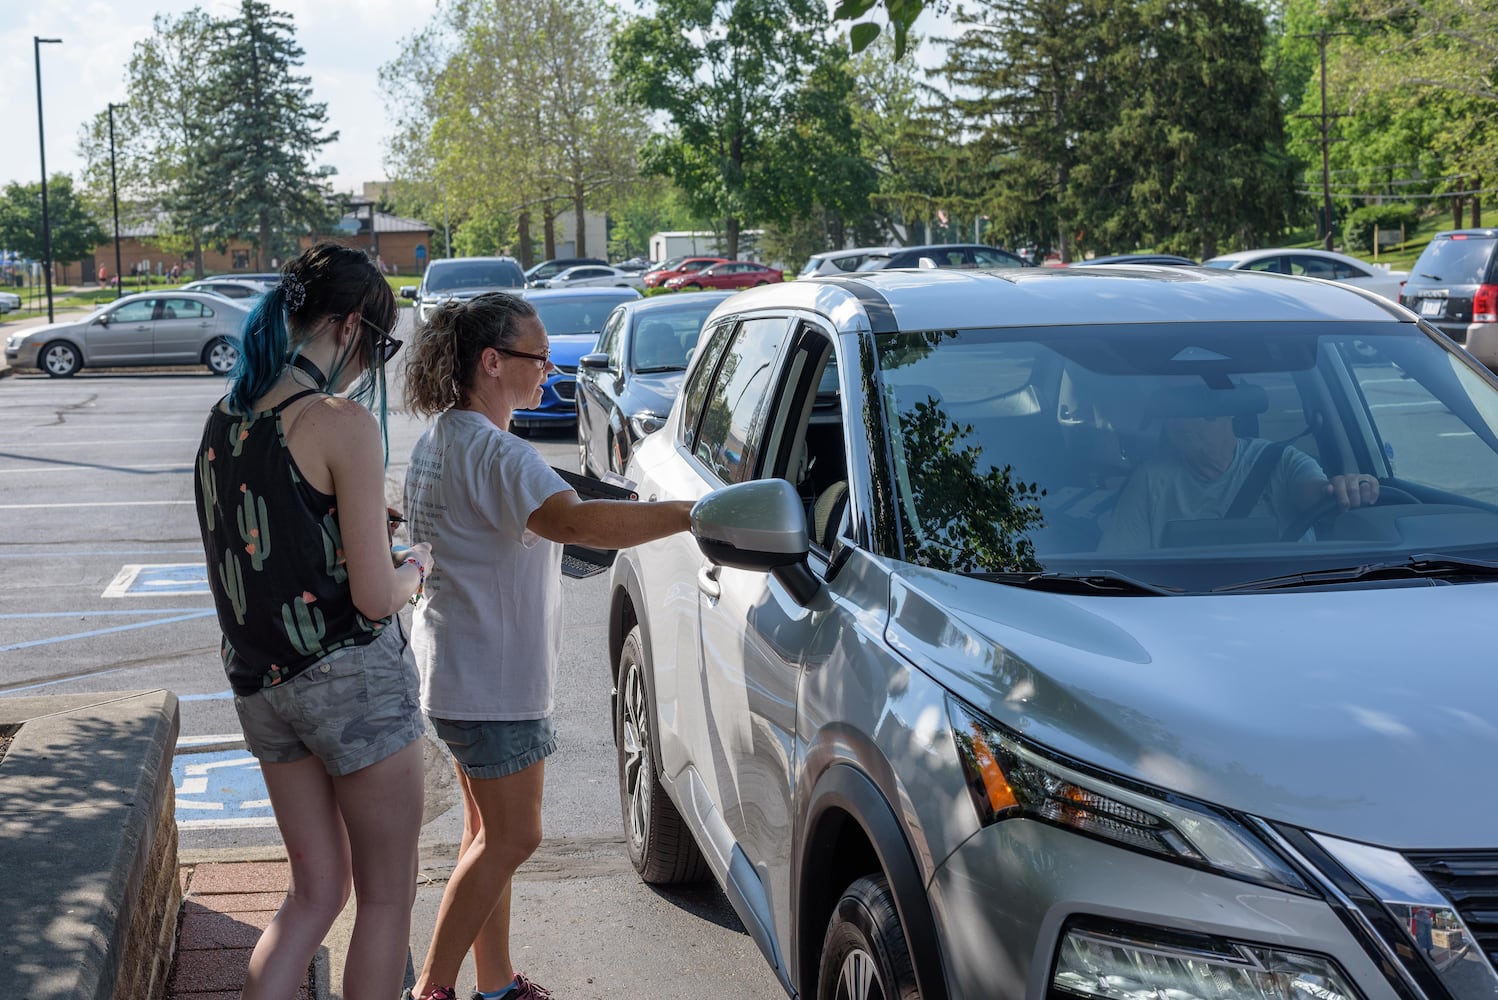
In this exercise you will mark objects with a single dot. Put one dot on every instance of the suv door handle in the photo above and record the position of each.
(707, 580)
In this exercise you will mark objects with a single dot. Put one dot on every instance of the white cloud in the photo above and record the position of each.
(345, 43)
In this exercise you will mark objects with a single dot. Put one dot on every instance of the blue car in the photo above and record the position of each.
(573, 319)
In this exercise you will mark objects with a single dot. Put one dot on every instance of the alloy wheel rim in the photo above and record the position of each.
(636, 742)
(59, 360)
(857, 979)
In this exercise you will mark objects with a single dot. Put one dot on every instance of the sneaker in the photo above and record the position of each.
(520, 989)
(438, 993)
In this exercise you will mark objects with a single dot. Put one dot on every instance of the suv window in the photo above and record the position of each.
(609, 340)
(992, 258)
(695, 393)
(727, 442)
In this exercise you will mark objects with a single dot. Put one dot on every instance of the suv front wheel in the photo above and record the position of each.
(864, 956)
(660, 846)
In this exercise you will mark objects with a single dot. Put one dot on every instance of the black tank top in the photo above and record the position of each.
(275, 553)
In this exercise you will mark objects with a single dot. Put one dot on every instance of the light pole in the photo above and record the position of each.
(114, 196)
(41, 141)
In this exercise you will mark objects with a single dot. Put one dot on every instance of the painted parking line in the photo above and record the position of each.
(159, 579)
(201, 613)
(99, 503)
(222, 789)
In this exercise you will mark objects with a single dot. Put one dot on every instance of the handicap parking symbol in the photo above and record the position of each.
(145, 580)
(220, 789)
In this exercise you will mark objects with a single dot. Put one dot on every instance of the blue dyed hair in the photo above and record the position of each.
(336, 281)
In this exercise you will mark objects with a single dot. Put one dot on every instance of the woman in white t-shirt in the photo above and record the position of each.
(487, 636)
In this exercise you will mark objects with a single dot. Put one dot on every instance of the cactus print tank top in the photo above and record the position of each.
(275, 553)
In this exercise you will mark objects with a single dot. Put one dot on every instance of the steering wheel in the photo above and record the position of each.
(1328, 507)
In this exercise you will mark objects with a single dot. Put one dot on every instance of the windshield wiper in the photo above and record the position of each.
(1428, 565)
(655, 369)
(1097, 581)
(1432, 277)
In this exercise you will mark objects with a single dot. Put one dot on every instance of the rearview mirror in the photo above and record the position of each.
(758, 525)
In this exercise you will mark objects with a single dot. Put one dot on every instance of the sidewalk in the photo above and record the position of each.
(225, 906)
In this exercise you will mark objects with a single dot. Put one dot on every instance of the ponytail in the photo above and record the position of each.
(264, 346)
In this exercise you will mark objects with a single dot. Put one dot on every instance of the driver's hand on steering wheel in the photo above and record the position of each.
(1355, 490)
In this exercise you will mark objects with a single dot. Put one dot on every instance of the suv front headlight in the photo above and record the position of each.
(645, 422)
(1007, 778)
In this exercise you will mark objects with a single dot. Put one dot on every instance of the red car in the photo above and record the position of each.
(728, 274)
(687, 265)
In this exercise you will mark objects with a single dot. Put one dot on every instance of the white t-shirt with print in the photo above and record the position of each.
(488, 632)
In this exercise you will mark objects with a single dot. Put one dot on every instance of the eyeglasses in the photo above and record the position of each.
(387, 345)
(542, 360)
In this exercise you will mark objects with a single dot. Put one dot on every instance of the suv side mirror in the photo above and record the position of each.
(758, 525)
(595, 360)
(408, 291)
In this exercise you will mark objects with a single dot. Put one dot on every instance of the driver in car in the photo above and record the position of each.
(1209, 472)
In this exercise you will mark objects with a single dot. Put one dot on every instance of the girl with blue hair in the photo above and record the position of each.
(291, 505)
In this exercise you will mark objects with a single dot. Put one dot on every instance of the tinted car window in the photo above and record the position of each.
(445, 277)
(566, 316)
(702, 378)
(613, 334)
(726, 441)
(1271, 264)
(1460, 262)
(992, 258)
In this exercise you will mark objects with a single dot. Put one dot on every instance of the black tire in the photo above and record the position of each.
(220, 356)
(659, 844)
(60, 359)
(864, 956)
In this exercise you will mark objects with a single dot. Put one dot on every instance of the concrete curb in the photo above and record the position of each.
(88, 848)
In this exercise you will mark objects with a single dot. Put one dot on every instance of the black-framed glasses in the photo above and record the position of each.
(544, 360)
(387, 345)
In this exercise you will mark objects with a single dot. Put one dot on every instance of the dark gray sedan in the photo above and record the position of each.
(149, 328)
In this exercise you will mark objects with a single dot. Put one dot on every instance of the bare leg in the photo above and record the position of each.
(508, 830)
(301, 794)
(381, 807)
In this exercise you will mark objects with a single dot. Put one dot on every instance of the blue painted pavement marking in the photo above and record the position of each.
(139, 580)
(220, 789)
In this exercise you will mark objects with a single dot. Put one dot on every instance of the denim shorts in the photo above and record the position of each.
(353, 708)
(497, 749)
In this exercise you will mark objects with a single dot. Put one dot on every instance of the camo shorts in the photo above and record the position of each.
(353, 708)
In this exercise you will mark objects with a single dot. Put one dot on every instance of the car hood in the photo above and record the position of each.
(41, 332)
(1367, 714)
(654, 392)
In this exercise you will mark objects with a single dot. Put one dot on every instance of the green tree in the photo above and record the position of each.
(261, 132)
(731, 77)
(74, 228)
(647, 207)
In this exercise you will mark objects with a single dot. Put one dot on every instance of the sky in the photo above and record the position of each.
(346, 43)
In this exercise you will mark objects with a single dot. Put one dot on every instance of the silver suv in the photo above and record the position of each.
(463, 278)
(963, 686)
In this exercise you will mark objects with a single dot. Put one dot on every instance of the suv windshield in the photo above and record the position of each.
(447, 277)
(1461, 261)
(1186, 456)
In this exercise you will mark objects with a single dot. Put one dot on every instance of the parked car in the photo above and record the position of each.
(1139, 258)
(591, 276)
(228, 289)
(684, 265)
(573, 318)
(628, 381)
(728, 274)
(1324, 264)
(551, 268)
(9, 302)
(463, 278)
(148, 328)
(935, 738)
(970, 256)
(1454, 287)
(838, 261)
(636, 264)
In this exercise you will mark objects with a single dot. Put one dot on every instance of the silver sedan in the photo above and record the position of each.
(149, 328)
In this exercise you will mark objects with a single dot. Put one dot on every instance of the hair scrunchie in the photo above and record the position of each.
(295, 292)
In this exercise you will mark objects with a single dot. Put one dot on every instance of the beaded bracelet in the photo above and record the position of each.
(421, 579)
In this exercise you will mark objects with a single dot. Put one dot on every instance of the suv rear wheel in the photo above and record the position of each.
(660, 846)
(864, 956)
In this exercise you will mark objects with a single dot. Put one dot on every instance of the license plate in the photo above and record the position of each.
(1432, 307)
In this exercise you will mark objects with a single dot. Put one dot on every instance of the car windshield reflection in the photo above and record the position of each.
(1184, 456)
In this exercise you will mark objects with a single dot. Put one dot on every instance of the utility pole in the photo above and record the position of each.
(114, 196)
(41, 141)
(1326, 137)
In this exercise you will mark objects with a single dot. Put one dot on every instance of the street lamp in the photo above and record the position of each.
(41, 142)
(114, 196)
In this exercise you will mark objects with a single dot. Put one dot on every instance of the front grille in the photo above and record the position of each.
(565, 388)
(1470, 880)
